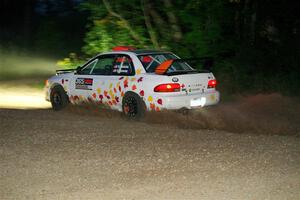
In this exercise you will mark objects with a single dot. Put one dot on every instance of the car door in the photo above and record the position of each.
(82, 82)
(102, 89)
(122, 77)
(109, 74)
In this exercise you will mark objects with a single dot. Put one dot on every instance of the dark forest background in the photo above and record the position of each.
(255, 43)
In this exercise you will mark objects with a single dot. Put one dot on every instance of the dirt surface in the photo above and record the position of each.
(76, 154)
(265, 114)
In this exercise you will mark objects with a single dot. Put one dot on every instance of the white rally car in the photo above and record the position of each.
(133, 81)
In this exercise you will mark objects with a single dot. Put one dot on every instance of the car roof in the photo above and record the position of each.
(137, 52)
(146, 51)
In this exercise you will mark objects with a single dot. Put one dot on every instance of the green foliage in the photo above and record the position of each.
(106, 31)
(71, 62)
(98, 40)
(252, 47)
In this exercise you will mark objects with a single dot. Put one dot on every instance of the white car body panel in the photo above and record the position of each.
(110, 89)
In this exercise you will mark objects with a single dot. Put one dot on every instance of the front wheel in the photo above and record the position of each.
(133, 106)
(58, 97)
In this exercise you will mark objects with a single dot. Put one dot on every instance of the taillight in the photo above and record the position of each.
(169, 87)
(46, 82)
(212, 83)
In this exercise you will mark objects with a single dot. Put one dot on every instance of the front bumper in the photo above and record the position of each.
(47, 93)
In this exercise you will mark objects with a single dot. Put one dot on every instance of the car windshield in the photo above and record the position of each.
(152, 61)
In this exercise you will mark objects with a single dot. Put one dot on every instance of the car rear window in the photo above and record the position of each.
(152, 61)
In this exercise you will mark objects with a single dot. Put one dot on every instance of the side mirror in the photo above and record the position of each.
(77, 71)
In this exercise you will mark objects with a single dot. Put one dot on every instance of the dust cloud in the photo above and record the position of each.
(260, 114)
(22, 77)
(16, 65)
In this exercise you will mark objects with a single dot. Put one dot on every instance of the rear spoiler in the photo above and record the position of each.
(164, 66)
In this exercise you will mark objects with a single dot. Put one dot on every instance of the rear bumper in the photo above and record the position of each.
(192, 101)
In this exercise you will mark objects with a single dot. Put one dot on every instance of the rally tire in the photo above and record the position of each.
(58, 98)
(133, 107)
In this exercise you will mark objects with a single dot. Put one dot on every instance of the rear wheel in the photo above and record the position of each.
(133, 106)
(58, 97)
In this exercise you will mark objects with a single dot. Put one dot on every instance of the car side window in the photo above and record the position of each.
(123, 66)
(87, 69)
(104, 65)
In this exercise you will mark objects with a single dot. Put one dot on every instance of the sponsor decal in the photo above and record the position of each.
(195, 89)
(84, 83)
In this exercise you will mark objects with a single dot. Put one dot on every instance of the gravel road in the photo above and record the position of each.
(69, 155)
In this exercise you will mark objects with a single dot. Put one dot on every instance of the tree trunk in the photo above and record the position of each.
(151, 31)
(160, 23)
(249, 21)
(253, 24)
(237, 23)
(133, 34)
(177, 35)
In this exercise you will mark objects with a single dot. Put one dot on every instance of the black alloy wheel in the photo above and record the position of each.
(133, 106)
(58, 98)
